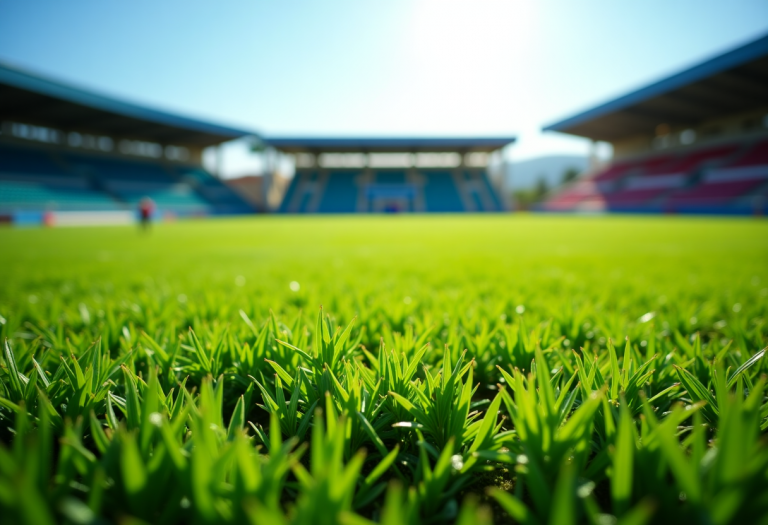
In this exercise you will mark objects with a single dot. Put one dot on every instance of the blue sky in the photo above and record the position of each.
(394, 67)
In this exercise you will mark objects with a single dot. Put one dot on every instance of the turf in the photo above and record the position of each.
(533, 369)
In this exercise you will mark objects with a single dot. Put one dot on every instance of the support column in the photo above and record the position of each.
(593, 161)
(504, 186)
(267, 177)
(220, 161)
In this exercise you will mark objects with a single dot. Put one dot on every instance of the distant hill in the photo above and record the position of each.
(524, 175)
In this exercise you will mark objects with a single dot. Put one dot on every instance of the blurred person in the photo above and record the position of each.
(49, 219)
(146, 209)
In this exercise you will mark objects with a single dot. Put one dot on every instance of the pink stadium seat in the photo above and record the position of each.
(653, 164)
(693, 160)
(714, 193)
(573, 195)
(756, 156)
(611, 173)
(718, 185)
(633, 197)
(616, 170)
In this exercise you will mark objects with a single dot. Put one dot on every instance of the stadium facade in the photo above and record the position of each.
(695, 142)
(65, 150)
(375, 175)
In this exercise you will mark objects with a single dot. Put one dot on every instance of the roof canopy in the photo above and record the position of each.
(385, 145)
(32, 99)
(734, 82)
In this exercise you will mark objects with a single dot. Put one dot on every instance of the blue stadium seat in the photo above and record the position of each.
(441, 193)
(222, 198)
(105, 168)
(340, 195)
(175, 197)
(28, 161)
(30, 179)
(297, 199)
(131, 180)
(492, 192)
(37, 179)
(19, 195)
(289, 193)
(385, 176)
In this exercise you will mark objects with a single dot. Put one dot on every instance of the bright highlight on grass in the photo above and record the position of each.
(461, 370)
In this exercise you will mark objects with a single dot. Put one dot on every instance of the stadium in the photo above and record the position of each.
(363, 175)
(337, 309)
(68, 153)
(57, 166)
(696, 142)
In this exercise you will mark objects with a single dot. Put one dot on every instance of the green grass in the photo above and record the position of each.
(532, 369)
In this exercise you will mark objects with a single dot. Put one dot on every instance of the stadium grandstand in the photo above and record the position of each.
(695, 142)
(369, 175)
(65, 150)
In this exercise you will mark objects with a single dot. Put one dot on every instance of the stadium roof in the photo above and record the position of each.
(33, 99)
(384, 145)
(730, 83)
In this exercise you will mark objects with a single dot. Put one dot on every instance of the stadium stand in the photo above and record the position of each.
(373, 175)
(441, 194)
(66, 149)
(31, 180)
(696, 142)
(218, 194)
(340, 195)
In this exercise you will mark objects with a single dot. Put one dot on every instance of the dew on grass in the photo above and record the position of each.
(84, 313)
(455, 310)
(585, 489)
(647, 317)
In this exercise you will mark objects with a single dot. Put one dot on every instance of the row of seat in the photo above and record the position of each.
(339, 191)
(16, 195)
(39, 179)
(725, 176)
(225, 200)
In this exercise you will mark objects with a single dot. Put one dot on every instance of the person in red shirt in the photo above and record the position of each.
(146, 209)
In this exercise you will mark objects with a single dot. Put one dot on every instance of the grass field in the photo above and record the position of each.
(478, 369)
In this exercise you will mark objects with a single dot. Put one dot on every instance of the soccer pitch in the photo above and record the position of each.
(470, 369)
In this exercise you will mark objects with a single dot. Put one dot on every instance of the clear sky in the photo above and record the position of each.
(387, 67)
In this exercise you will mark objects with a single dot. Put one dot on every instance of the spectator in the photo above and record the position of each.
(146, 209)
